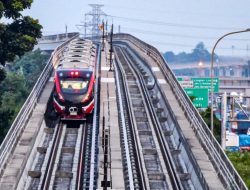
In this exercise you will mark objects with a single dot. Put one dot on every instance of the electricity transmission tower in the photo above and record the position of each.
(93, 20)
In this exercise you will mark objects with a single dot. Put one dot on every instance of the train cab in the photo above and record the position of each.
(73, 97)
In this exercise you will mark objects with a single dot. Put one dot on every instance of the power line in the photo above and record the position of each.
(192, 46)
(160, 23)
(147, 32)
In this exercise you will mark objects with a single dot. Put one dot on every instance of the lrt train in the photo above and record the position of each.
(73, 96)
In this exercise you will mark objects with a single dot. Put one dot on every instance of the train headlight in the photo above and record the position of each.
(86, 97)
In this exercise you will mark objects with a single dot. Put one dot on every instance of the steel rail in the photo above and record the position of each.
(50, 165)
(81, 158)
(124, 133)
(175, 180)
(95, 129)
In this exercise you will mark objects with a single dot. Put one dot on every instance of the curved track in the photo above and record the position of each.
(154, 168)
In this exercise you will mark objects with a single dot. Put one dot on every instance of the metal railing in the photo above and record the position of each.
(227, 173)
(8, 145)
(58, 37)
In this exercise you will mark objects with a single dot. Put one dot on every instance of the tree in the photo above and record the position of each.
(206, 115)
(2, 74)
(241, 162)
(30, 66)
(19, 36)
(169, 56)
(15, 88)
(200, 53)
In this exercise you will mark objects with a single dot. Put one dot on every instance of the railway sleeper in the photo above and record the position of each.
(130, 82)
(176, 152)
(138, 103)
(68, 150)
(135, 96)
(140, 114)
(163, 119)
(35, 174)
(168, 132)
(184, 176)
(138, 109)
(155, 100)
(144, 72)
(150, 86)
(64, 174)
(141, 119)
(134, 90)
(41, 150)
(159, 110)
(146, 76)
(145, 132)
(149, 151)
(156, 176)
(130, 77)
(133, 86)
(49, 130)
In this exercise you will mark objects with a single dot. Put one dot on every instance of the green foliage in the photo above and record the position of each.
(15, 88)
(21, 35)
(192, 98)
(2, 74)
(12, 8)
(241, 162)
(199, 53)
(30, 66)
(206, 115)
(6, 116)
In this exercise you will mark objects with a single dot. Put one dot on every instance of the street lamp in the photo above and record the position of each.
(212, 72)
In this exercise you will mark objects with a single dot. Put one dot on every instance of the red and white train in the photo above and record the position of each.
(73, 96)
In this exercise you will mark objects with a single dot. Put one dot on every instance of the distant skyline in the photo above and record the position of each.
(177, 25)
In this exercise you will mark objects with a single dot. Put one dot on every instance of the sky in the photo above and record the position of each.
(169, 25)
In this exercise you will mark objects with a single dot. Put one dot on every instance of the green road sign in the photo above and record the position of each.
(200, 96)
(179, 79)
(200, 83)
(206, 83)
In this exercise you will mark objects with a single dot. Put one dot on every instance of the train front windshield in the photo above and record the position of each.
(74, 85)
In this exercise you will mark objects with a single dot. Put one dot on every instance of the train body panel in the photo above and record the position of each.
(73, 97)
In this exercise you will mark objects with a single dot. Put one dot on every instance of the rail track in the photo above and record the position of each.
(62, 159)
(153, 169)
(163, 160)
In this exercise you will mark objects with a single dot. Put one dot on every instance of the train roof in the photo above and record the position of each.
(81, 65)
(79, 54)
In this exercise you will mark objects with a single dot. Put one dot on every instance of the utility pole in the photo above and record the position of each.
(66, 30)
(103, 35)
(106, 25)
(247, 50)
(111, 48)
(223, 120)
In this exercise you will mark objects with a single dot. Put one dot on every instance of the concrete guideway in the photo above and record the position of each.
(203, 161)
(18, 161)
